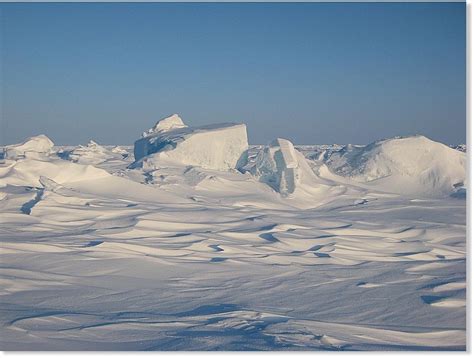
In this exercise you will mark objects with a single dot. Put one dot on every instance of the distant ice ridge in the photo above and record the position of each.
(460, 147)
(410, 165)
(414, 166)
(120, 150)
(93, 153)
(218, 146)
(33, 147)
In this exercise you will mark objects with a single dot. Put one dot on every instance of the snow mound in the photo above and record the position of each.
(92, 153)
(217, 146)
(410, 165)
(33, 147)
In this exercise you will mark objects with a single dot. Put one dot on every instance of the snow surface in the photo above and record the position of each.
(178, 256)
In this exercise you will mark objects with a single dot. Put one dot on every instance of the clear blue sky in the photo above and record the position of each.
(309, 72)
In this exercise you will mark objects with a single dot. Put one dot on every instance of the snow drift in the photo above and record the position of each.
(413, 165)
(33, 147)
(27, 172)
(26, 163)
(218, 146)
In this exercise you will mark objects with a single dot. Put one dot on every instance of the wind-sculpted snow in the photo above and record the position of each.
(181, 257)
(218, 146)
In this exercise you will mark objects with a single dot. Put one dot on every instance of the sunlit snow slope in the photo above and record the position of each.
(413, 165)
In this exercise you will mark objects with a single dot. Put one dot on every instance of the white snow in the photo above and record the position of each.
(315, 253)
(219, 146)
(33, 147)
(412, 165)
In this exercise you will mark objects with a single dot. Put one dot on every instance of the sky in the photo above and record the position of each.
(313, 73)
